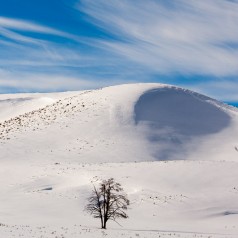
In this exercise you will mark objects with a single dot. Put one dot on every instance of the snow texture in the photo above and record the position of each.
(174, 152)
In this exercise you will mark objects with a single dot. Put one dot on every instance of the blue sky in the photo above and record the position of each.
(59, 45)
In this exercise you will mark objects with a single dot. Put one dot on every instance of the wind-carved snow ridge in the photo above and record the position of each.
(172, 117)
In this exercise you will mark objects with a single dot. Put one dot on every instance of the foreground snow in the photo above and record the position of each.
(174, 152)
(176, 196)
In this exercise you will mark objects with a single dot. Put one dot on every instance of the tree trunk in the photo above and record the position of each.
(101, 221)
(104, 225)
(104, 206)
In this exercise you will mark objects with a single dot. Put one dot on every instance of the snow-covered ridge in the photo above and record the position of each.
(173, 150)
(13, 105)
(49, 110)
(164, 121)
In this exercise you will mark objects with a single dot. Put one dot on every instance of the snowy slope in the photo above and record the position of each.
(174, 151)
(12, 105)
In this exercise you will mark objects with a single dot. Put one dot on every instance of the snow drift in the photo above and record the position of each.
(173, 150)
(150, 122)
(182, 112)
(173, 117)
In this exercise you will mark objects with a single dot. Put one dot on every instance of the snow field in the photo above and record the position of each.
(181, 180)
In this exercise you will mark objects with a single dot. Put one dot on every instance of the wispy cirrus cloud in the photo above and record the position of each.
(32, 62)
(15, 29)
(18, 24)
(223, 89)
(185, 37)
(43, 82)
(16, 41)
(29, 62)
(188, 43)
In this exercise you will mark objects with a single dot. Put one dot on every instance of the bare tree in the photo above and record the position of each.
(108, 202)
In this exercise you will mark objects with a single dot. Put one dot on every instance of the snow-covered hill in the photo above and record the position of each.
(174, 151)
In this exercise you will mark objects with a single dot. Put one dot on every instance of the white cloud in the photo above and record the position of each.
(48, 82)
(188, 37)
(9, 26)
(153, 37)
(27, 82)
(18, 37)
(29, 63)
(14, 29)
(18, 24)
(19, 49)
(224, 90)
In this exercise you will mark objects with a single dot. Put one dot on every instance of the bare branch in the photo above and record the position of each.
(109, 202)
